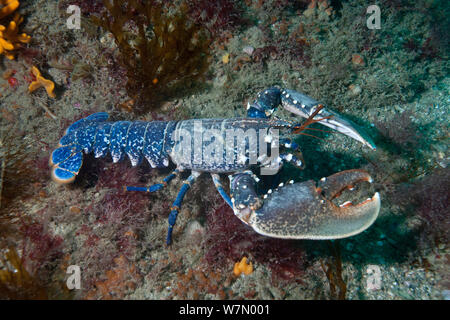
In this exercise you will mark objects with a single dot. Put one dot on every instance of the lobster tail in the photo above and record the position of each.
(66, 160)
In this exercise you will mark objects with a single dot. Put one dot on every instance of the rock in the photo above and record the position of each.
(226, 58)
(354, 89)
(194, 231)
(248, 50)
(357, 60)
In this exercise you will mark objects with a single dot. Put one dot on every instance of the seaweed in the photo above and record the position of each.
(217, 16)
(229, 239)
(333, 271)
(162, 51)
(401, 131)
(81, 70)
(15, 281)
(87, 7)
(120, 280)
(200, 282)
(17, 168)
(428, 198)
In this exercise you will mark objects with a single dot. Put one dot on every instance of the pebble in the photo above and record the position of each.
(354, 89)
(194, 230)
(248, 50)
(226, 58)
(357, 60)
(108, 40)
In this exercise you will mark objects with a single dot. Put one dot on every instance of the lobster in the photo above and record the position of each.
(235, 147)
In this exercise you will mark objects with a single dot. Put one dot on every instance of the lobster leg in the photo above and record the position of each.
(295, 158)
(156, 186)
(220, 189)
(289, 157)
(288, 143)
(177, 203)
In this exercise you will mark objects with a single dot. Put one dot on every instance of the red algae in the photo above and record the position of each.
(216, 16)
(229, 239)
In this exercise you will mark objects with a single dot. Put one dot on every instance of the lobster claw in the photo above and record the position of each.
(304, 106)
(305, 211)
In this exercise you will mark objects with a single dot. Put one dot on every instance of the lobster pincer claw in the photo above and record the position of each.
(306, 211)
(305, 106)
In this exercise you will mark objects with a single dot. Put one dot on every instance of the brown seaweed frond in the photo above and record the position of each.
(333, 271)
(161, 50)
(19, 168)
(15, 281)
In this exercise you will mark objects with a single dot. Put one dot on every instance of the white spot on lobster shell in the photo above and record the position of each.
(152, 164)
(115, 158)
(134, 160)
(242, 159)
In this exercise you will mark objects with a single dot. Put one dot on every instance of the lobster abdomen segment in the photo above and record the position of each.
(117, 139)
(158, 142)
(152, 140)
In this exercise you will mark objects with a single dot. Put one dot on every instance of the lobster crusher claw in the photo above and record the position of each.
(305, 210)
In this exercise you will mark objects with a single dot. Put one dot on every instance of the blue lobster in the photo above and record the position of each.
(291, 211)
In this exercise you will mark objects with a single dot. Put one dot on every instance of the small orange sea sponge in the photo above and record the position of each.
(4, 44)
(8, 6)
(10, 39)
(243, 267)
(41, 82)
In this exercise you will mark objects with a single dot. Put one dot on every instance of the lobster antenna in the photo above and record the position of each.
(309, 121)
